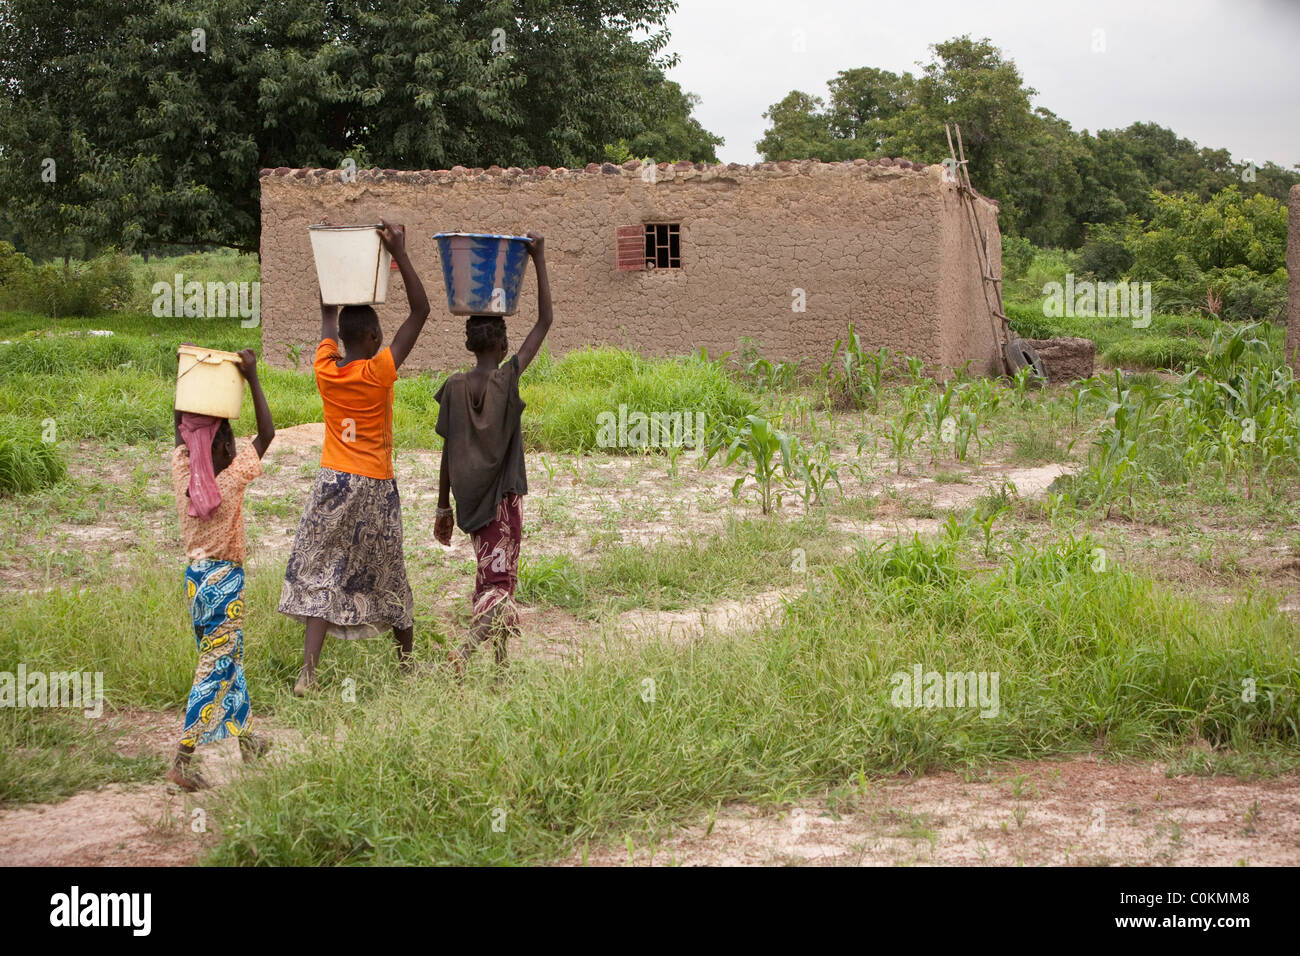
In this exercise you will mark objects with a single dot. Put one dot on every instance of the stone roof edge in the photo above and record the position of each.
(664, 172)
(629, 168)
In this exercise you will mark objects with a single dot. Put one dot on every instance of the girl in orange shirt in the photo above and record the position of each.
(347, 572)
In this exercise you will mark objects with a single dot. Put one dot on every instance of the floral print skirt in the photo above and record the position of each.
(347, 564)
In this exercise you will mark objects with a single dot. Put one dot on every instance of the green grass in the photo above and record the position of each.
(566, 396)
(746, 558)
(149, 663)
(1171, 341)
(414, 769)
(120, 388)
(562, 756)
(46, 757)
(28, 463)
(131, 627)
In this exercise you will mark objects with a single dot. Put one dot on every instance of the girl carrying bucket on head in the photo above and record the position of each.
(479, 419)
(347, 572)
(210, 476)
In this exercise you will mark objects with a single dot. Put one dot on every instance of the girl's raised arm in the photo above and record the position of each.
(265, 426)
(528, 351)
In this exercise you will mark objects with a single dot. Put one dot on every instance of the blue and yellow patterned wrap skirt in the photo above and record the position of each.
(218, 705)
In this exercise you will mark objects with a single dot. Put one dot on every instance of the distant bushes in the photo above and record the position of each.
(1225, 256)
(1027, 268)
(1171, 341)
(111, 282)
(104, 284)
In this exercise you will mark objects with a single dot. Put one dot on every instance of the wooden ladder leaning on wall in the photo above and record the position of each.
(992, 284)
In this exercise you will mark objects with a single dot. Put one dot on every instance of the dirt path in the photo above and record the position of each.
(1031, 813)
(1081, 812)
(153, 824)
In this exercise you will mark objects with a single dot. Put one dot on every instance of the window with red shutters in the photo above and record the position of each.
(651, 245)
(630, 248)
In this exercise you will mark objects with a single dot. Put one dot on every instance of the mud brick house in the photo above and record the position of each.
(666, 259)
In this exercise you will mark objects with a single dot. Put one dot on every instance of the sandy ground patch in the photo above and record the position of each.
(153, 824)
(116, 826)
(1073, 812)
(577, 504)
(723, 617)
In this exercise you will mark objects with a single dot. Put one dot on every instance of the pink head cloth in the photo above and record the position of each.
(197, 432)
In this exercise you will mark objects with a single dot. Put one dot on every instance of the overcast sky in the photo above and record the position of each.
(1223, 73)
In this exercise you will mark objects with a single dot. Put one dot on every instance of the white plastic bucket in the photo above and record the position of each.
(209, 382)
(351, 264)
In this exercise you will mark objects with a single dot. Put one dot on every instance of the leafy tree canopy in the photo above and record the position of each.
(1051, 181)
(157, 117)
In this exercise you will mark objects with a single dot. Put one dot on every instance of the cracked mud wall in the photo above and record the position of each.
(882, 244)
(967, 330)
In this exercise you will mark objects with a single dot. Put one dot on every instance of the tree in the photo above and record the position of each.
(799, 130)
(864, 102)
(669, 133)
(159, 116)
(1051, 182)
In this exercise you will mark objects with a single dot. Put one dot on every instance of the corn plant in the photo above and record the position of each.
(1126, 444)
(762, 449)
(967, 428)
(813, 471)
(856, 467)
(943, 416)
(898, 431)
(795, 409)
(988, 509)
(855, 373)
(1020, 385)
(674, 452)
(916, 371)
(769, 376)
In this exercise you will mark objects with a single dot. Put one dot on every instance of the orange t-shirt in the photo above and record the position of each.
(358, 401)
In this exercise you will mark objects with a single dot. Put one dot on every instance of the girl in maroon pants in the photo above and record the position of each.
(479, 419)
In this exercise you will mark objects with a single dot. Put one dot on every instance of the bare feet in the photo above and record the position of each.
(457, 662)
(304, 686)
(186, 778)
(253, 746)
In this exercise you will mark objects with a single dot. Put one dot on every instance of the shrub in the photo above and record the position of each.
(1106, 254)
(1017, 255)
(104, 284)
(13, 265)
(27, 462)
(1231, 246)
(1044, 266)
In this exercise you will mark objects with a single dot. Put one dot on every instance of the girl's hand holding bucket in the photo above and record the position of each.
(248, 363)
(393, 236)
